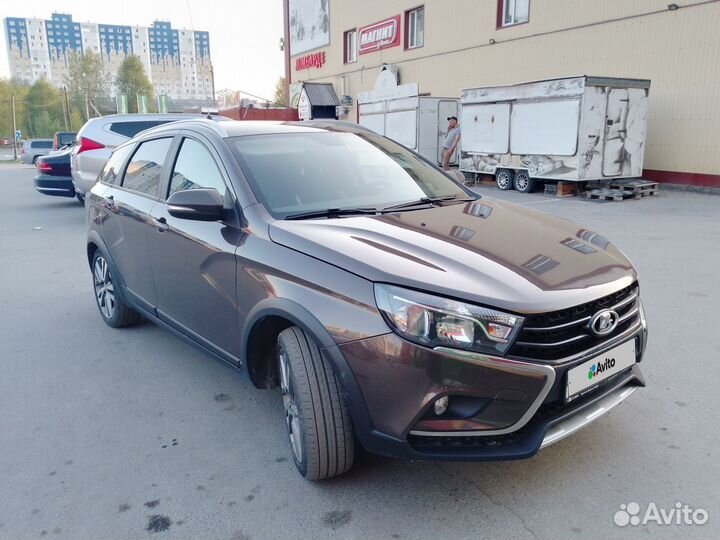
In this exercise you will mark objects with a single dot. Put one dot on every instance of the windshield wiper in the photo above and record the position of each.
(333, 212)
(425, 201)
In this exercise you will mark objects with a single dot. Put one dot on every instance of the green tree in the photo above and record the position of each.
(132, 81)
(8, 88)
(280, 92)
(86, 79)
(76, 120)
(44, 109)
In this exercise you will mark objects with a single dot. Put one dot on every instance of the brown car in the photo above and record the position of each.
(396, 309)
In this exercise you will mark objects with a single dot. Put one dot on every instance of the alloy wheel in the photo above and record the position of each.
(521, 181)
(292, 419)
(503, 179)
(104, 289)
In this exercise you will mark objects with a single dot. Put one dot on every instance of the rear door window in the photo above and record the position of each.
(111, 171)
(42, 144)
(145, 167)
(130, 129)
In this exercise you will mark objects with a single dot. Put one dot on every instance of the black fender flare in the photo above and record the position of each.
(95, 238)
(301, 317)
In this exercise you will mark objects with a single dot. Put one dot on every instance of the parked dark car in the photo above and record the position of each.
(393, 307)
(63, 138)
(53, 174)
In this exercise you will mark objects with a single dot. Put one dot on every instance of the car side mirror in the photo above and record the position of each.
(196, 204)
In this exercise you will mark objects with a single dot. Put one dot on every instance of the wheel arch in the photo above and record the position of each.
(280, 313)
(95, 243)
(266, 320)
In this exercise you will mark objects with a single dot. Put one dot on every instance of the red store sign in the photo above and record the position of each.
(381, 35)
(312, 60)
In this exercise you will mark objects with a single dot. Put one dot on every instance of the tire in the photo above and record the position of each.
(34, 161)
(80, 198)
(523, 183)
(504, 179)
(316, 417)
(111, 305)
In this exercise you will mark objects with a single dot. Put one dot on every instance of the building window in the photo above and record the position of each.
(415, 28)
(350, 44)
(512, 12)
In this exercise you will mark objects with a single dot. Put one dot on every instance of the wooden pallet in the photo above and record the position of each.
(605, 194)
(615, 194)
(644, 187)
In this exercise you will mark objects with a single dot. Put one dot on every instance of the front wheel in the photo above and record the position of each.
(316, 416)
(504, 179)
(523, 182)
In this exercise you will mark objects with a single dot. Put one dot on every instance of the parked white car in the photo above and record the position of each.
(97, 139)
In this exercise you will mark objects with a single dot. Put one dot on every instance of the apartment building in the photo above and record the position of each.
(177, 61)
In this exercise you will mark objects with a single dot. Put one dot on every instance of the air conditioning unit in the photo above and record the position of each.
(392, 68)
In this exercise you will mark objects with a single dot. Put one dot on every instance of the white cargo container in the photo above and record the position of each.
(402, 114)
(574, 129)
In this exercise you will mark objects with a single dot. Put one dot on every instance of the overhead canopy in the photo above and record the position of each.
(317, 101)
(321, 94)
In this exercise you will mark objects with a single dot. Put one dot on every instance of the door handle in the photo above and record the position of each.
(161, 224)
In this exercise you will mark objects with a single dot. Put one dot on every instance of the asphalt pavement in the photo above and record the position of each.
(118, 434)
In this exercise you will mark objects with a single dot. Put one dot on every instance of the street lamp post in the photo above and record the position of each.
(14, 129)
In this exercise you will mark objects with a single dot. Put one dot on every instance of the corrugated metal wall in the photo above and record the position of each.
(251, 113)
(678, 50)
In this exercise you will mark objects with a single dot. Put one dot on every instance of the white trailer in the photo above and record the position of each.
(572, 129)
(402, 114)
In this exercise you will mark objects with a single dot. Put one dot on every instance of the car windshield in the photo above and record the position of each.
(292, 173)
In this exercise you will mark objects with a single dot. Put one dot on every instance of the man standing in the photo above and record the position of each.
(451, 141)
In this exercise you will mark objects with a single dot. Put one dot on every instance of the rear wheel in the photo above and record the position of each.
(80, 198)
(523, 182)
(34, 161)
(504, 179)
(113, 309)
(316, 417)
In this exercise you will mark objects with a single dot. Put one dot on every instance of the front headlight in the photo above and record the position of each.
(434, 321)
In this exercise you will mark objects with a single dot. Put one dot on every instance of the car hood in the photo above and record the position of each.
(486, 251)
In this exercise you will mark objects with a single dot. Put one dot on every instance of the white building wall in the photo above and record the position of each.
(676, 49)
(140, 46)
(90, 37)
(39, 56)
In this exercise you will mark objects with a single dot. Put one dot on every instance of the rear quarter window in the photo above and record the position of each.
(111, 172)
(41, 144)
(130, 129)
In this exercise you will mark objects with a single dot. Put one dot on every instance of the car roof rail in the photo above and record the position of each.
(190, 122)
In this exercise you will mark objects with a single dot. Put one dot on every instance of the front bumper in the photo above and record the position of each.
(521, 406)
(56, 186)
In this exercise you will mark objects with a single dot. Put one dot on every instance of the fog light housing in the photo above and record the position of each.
(441, 405)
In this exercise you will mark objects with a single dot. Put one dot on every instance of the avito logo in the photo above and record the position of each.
(598, 368)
